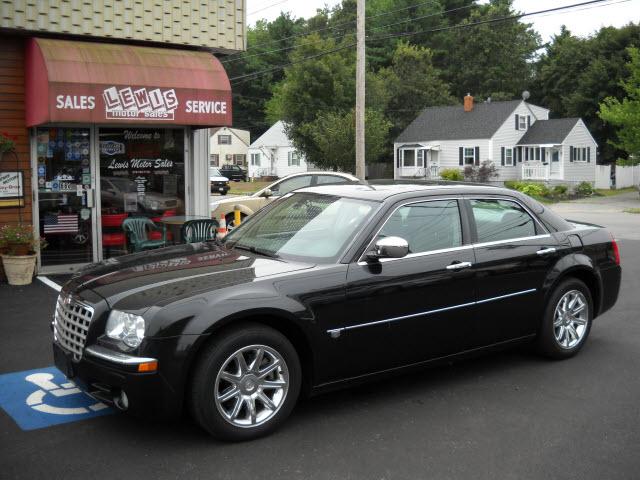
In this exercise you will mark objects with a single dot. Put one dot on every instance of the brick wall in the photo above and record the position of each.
(12, 121)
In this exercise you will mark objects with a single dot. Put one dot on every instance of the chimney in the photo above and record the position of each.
(468, 103)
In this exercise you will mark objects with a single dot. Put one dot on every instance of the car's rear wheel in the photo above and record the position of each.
(567, 321)
(245, 383)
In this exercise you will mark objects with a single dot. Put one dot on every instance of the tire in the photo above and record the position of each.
(219, 362)
(559, 340)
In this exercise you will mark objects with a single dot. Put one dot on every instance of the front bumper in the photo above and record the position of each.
(105, 374)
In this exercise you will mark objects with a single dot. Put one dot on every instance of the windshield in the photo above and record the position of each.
(214, 172)
(307, 227)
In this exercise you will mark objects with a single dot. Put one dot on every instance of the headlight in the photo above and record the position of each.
(127, 327)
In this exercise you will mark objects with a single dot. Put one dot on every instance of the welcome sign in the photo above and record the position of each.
(11, 189)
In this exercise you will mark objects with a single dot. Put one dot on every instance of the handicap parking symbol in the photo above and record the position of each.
(44, 397)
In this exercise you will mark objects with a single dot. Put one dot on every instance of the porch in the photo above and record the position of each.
(417, 161)
(541, 162)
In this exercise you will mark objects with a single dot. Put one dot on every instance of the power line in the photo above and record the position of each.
(379, 27)
(338, 25)
(518, 16)
(267, 7)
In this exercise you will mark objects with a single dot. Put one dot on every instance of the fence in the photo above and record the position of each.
(624, 176)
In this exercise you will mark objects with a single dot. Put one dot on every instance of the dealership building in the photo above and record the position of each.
(108, 106)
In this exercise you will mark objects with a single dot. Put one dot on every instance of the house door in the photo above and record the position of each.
(555, 162)
(65, 217)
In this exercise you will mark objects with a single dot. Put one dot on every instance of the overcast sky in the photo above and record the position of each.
(582, 21)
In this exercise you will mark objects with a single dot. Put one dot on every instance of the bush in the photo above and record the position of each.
(528, 188)
(481, 174)
(559, 190)
(584, 189)
(452, 174)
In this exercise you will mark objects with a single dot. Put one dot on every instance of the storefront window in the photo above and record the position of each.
(141, 174)
(64, 186)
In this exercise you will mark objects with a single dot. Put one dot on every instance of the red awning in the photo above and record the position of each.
(85, 82)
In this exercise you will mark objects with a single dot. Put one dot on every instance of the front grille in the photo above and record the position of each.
(71, 324)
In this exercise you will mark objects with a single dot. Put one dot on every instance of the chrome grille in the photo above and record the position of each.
(71, 324)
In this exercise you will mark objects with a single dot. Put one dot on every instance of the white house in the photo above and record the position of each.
(518, 137)
(273, 154)
(228, 146)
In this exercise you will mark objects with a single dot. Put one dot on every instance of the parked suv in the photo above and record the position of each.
(234, 172)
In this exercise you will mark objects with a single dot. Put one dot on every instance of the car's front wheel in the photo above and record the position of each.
(245, 383)
(567, 321)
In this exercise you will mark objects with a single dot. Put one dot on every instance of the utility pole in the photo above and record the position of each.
(360, 89)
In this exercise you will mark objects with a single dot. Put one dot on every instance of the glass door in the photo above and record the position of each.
(65, 196)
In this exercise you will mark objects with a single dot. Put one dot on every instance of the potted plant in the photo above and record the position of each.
(18, 248)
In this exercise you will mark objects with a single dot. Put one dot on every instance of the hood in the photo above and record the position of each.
(217, 178)
(159, 277)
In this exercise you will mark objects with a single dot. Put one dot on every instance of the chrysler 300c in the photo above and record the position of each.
(327, 286)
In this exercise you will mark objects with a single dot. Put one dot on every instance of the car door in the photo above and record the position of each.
(411, 309)
(514, 254)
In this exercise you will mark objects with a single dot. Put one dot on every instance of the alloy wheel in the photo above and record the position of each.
(570, 319)
(251, 386)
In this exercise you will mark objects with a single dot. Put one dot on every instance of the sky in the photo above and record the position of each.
(581, 21)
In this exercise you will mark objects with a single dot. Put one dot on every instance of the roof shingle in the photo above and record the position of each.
(548, 131)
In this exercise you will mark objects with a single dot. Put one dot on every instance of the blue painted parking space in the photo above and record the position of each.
(44, 397)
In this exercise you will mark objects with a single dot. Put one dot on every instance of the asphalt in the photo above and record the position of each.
(510, 415)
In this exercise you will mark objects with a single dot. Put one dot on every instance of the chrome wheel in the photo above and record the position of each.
(251, 386)
(570, 319)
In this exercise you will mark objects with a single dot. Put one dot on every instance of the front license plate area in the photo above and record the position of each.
(63, 361)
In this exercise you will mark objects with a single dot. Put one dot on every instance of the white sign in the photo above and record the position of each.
(109, 147)
(10, 184)
(141, 103)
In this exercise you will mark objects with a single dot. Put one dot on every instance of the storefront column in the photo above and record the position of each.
(199, 171)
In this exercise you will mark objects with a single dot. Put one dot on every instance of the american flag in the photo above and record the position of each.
(63, 223)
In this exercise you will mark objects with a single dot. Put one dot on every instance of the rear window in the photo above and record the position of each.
(501, 220)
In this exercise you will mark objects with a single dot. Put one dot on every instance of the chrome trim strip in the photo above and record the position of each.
(335, 332)
(103, 353)
(519, 239)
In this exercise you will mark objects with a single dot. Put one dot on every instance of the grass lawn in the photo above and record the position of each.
(246, 188)
(611, 193)
(632, 210)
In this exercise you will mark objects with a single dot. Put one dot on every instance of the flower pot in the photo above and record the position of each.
(19, 269)
(19, 249)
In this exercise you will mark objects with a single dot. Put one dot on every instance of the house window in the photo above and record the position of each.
(214, 159)
(293, 159)
(255, 159)
(469, 156)
(532, 153)
(408, 158)
(508, 157)
(522, 122)
(224, 139)
(240, 159)
(420, 158)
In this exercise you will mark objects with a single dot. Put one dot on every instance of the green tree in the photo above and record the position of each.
(575, 75)
(490, 58)
(334, 136)
(625, 114)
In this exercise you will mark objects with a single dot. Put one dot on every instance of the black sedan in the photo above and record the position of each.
(234, 172)
(326, 287)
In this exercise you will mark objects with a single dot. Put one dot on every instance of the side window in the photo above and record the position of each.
(501, 220)
(291, 184)
(327, 179)
(426, 226)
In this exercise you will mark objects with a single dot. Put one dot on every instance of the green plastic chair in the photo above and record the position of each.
(136, 229)
(199, 231)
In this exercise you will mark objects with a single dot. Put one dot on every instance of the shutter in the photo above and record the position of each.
(543, 155)
(398, 157)
(517, 121)
(502, 156)
(528, 121)
(477, 159)
(526, 153)
(589, 154)
(461, 151)
(520, 154)
(571, 154)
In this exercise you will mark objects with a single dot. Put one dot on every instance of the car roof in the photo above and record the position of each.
(382, 192)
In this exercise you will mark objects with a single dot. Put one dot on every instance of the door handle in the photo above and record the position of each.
(459, 265)
(546, 251)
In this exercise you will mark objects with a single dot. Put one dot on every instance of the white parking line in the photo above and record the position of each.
(49, 283)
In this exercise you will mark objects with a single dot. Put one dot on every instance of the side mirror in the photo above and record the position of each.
(389, 247)
(266, 193)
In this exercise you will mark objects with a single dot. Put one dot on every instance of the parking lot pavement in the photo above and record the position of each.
(509, 415)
